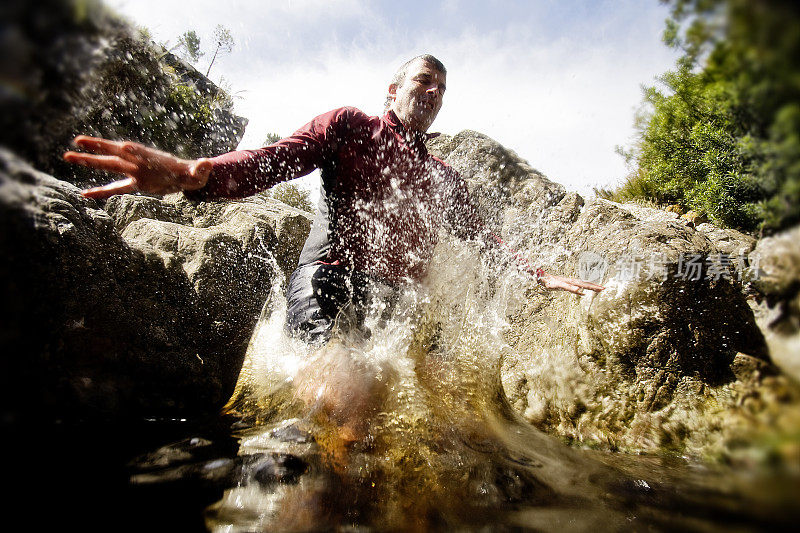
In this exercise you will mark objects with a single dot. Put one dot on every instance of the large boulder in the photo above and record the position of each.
(152, 321)
(776, 301)
(75, 67)
(626, 367)
(497, 177)
(668, 356)
(728, 240)
(259, 229)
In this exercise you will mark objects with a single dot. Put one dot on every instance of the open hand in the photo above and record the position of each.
(555, 283)
(147, 169)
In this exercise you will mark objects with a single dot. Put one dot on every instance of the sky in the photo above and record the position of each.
(557, 81)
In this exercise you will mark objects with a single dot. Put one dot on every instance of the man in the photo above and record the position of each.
(383, 202)
(383, 197)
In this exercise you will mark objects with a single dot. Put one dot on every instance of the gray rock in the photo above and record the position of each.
(495, 174)
(651, 362)
(776, 264)
(261, 221)
(624, 367)
(778, 260)
(153, 324)
(127, 208)
(229, 263)
(727, 240)
(256, 228)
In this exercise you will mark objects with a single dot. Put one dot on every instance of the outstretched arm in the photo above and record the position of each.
(146, 169)
(468, 223)
(553, 282)
(232, 175)
(548, 281)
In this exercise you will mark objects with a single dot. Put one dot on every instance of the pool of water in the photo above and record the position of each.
(290, 475)
(406, 428)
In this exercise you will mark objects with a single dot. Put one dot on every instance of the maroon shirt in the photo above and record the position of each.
(384, 198)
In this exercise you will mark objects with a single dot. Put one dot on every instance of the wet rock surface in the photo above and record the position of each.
(138, 306)
(776, 299)
(625, 368)
(228, 250)
(498, 178)
(152, 320)
(727, 240)
(145, 305)
(670, 355)
(142, 307)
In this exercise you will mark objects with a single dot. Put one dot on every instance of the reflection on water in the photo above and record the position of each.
(408, 428)
(283, 479)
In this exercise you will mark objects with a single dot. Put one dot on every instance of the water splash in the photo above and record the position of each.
(407, 428)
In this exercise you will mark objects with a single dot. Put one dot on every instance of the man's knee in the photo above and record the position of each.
(315, 296)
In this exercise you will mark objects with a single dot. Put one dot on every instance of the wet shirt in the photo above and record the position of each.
(383, 198)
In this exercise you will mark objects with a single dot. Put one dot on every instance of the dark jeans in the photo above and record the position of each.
(321, 296)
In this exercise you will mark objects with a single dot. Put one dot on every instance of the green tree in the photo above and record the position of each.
(189, 44)
(720, 133)
(224, 40)
(271, 138)
(292, 195)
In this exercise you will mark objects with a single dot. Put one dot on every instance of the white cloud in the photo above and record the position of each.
(557, 87)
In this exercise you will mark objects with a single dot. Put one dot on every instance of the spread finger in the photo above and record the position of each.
(111, 163)
(117, 187)
(98, 145)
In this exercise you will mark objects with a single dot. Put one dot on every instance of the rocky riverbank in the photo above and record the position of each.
(143, 307)
(671, 356)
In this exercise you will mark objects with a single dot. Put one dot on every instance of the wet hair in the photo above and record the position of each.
(400, 76)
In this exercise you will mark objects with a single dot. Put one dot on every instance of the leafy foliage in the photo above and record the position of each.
(189, 44)
(271, 138)
(138, 94)
(289, 193)
(721, 133)
(292, 195)
(79, 68)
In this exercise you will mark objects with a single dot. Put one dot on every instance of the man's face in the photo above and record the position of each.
(418, 100)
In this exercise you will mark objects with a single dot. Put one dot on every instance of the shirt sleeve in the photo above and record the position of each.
(245, 172)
